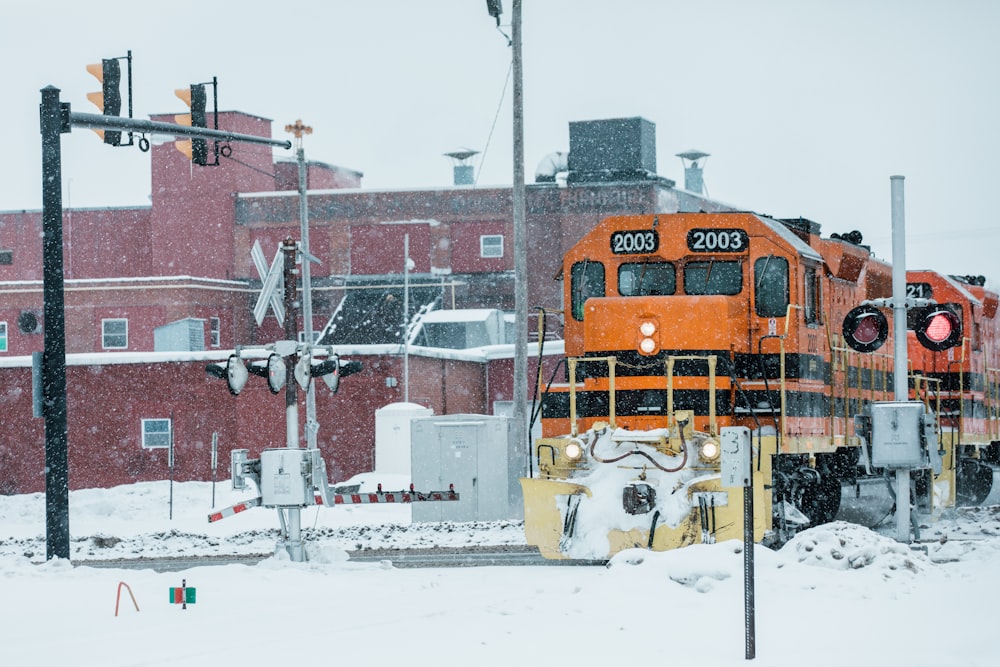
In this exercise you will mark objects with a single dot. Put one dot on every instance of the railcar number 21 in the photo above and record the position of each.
(718, 240)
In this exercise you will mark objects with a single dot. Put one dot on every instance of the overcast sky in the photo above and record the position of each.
(807, 108)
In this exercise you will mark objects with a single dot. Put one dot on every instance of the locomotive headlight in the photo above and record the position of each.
(709, 451)
(574, 450)
(647, 344)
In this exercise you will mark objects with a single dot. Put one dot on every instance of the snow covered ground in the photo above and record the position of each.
(837, 595)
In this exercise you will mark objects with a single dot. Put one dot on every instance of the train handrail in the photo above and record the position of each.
(961, 390)
(712, 360)
(936, 410)
(571, 363)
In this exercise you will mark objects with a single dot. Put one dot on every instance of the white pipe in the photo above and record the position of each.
(900, 367)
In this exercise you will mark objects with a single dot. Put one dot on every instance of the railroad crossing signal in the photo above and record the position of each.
(865, 328)
(936, 326)
(274, 284)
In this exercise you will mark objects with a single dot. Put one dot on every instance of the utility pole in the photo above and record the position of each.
(520, 244)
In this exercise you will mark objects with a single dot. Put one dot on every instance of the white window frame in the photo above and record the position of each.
(489, 240)
(3, 336)
(215, 331)
(157, 438)
(104, 333)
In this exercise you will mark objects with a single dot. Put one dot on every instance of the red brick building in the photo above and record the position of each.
(134, 275)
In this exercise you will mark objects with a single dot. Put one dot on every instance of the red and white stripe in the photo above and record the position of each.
(381, 496)
(235, 509)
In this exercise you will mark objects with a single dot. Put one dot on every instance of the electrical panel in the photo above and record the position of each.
(286, 477)
(898, 435)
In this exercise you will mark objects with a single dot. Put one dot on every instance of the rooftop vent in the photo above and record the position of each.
(619, 149)
(464, 173)
(693, 169)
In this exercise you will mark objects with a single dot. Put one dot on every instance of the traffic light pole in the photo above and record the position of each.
(54, 354)
(56, 118)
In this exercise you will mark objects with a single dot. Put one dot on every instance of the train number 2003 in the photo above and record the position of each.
(635, 242)
(718, 240)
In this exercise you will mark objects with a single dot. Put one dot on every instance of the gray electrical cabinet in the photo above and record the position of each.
(476, 454)
(902, 436)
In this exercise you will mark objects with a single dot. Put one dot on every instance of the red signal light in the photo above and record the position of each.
(938, 328)
(865, 328)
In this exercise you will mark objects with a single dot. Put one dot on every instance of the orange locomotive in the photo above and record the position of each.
(683, 331)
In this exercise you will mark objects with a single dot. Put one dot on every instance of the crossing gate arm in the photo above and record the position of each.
(234, 509)
(380, 496)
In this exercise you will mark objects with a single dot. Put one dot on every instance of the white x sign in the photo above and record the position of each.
(274, 284)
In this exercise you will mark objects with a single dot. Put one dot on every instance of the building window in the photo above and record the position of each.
(114, 334)
(3, 336)
(491, 246)
(214, 328)
(156, 433)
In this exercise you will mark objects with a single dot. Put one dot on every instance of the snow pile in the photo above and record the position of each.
(846, 546)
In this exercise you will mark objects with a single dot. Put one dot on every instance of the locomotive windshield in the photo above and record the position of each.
(586, 281)
(647, 279)
(713, 277)
(770, 279)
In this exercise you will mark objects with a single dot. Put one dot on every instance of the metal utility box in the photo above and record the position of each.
(897, 434)
(286, 477)
(476, 454)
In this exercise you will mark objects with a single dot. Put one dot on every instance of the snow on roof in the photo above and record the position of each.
(476, 354)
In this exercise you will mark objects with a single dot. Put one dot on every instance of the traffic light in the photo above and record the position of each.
(937, 327)
(865, 328)
(194, 96)
(109, 100)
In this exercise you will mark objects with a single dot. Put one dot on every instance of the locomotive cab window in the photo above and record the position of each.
(586, 281)
(811, 307)
(770, 280)
(713, 277)
(647, 279)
